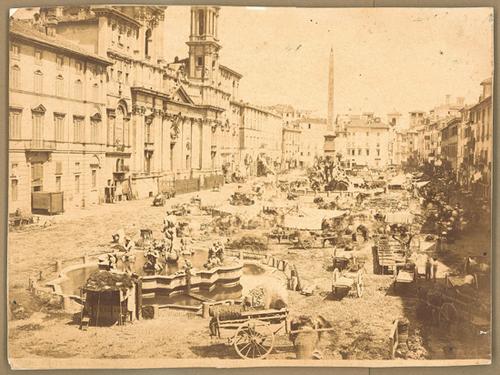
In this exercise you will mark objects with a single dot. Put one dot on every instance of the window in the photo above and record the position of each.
(38, 57)
(59, 85)
(378, 152)
(15, 124)
(126, 78)
(77, 184)
(367, 152)
(38, 84)
(199, 61)
(14, 50)
(359, 151)
(147, 42)
(37, 127)
(78, 130)
(58, 183)
(94, 178)
(94, 131)
(58, 167)
(59, 127)
(78, 89)
(13, 190)
(15, 76)
(59, 62)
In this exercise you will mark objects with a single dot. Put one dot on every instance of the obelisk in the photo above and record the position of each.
(329, 146)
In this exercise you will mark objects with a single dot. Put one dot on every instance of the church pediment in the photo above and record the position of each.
(180, 95)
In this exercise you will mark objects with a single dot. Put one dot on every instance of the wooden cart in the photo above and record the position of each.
(251, 333)
(351, 279)
(405, 275)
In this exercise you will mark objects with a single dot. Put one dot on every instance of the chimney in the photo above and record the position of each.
(460, 101)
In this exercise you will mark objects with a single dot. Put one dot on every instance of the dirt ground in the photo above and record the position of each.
(362, 324)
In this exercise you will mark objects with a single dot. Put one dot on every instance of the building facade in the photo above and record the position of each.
(95, 108)
(57, 118)
(363, 141)
(290, 147)
(312, 138)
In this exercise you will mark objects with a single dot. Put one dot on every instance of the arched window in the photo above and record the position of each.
(38, 82)
(147, 42)
(78, 89)
(15, 76)
(59, 85)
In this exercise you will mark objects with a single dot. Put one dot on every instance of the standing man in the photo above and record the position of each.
(428, 268)
(434, 269)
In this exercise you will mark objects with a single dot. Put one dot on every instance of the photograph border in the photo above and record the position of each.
(371, 367)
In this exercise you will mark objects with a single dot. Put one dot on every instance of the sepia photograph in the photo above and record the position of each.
(216, 186)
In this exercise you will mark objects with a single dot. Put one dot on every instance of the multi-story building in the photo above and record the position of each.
(449, 142)
(481, 115)
(312, 138)
(57, 117)
(94, 104)
(417, 118)
(363, 140)
(290, 147)
(260, 139)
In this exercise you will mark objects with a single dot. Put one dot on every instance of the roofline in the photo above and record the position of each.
(54, 45)
(479, 103)
(223, 67)
(103, 9)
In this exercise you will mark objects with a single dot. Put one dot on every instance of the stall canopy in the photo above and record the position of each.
(397, 182)
(311, 218)
(399, 217)
(357, 181)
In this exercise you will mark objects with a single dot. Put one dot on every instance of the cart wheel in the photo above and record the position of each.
(253, 340)
(447, 313)
(360, 285)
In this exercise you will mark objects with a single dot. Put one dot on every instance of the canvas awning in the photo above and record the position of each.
(421, 183)
(397, 181)
(399, 217)
(311, 218)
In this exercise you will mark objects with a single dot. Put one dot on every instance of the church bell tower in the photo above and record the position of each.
(204, 44)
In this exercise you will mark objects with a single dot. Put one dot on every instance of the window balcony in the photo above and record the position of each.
(149, 146)
(40, 145)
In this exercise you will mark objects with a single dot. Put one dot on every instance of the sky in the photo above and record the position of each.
(385, 59)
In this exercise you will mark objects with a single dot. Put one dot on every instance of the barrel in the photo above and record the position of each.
(305, 344)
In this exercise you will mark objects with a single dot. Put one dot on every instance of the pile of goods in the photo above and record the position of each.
(251, 242)
(241, 199)
(224, 225)
(106, 280)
